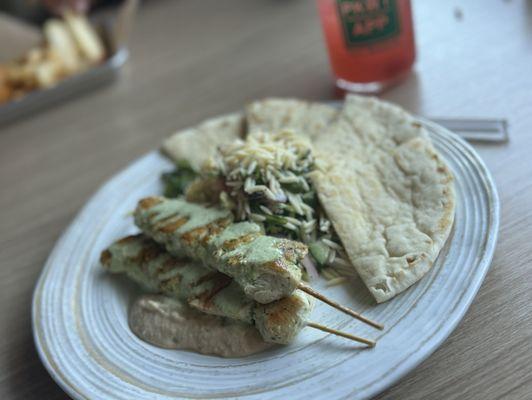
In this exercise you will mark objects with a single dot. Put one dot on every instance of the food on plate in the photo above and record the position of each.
(261, 201)
(266, 267)
(179, 181)
(273, 115)
(193, 146)
(147, 263)
(210, 292)
(388, 193)
(169, 323)
(360, 152)
(266, 179)
(70, 46)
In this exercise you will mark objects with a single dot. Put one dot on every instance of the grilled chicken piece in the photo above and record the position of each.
(211, 292)
(282, 320)
(147, 263)
(267, 268)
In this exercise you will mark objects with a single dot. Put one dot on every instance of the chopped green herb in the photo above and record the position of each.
(294, 187)
(320, 252)
(177, 181)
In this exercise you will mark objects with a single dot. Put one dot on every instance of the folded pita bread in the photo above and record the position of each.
(271, 115)
(193, 146)
(388, 193)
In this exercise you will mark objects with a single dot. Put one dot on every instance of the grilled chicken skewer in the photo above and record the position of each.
(211, 292)
(267, 268)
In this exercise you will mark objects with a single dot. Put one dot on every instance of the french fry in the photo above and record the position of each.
(86, 38)
(61, 42)
(5, 90)
(70, 46)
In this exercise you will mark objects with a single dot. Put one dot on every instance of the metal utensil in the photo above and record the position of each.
(478, 130)
(471, 129)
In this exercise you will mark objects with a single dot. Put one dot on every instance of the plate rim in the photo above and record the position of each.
(484, 264)
(437, 340)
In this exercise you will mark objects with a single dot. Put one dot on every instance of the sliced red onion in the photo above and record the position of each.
(310, 267)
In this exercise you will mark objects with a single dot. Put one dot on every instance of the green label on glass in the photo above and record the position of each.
(368, 21)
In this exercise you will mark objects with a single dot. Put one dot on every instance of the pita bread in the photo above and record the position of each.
(271, 115)
(388, 193)
(195, 145)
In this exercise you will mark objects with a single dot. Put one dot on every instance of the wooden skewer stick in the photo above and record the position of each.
(324, 328)
(344, 309)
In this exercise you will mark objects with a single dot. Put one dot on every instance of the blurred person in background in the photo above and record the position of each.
(57, 6)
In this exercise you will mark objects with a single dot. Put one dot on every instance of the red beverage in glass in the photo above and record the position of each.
(370, 42)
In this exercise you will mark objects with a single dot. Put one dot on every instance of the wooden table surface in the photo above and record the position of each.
(191, 60)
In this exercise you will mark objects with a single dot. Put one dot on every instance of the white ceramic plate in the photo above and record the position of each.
(80, 313)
